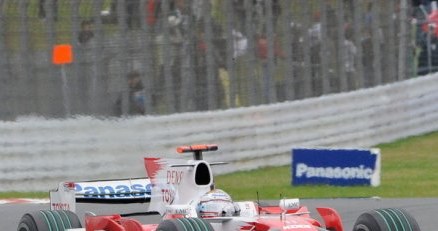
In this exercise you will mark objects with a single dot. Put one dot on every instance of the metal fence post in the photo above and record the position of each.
(146, 57)
(29, 102)
(228, 8)
(122, 55)
(212, 78)
(389, 34)
(403, 41)
(307, 79)
(357, 27)
(7, 109)
(98, 87)
(76, 68)
(54, 75)
(376, 40)
(324, 49)
(269, 74)
(289, 76)
(165, 50)
(341, 47)
(189, 77)
(252, 62)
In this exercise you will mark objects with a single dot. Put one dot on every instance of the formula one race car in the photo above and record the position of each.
(183, 193)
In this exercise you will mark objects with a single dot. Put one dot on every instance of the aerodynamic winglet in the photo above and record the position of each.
(197, 149)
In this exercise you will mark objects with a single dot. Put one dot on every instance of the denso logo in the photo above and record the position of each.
(360, 172)
(174, 177)
(113, 191)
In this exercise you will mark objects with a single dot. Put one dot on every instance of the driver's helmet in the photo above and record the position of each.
(216, 203)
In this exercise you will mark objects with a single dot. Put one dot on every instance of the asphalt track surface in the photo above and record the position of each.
(425, 210)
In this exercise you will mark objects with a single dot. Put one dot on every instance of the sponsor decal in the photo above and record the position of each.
(137, 188)
(286, 204)
(342, 167)
(60, 206)
(174, 177)
(179, 209)
(168, 195)
(360, 172)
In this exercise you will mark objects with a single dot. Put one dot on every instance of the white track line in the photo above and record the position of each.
(24, 201)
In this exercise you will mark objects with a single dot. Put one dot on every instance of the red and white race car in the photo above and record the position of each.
(183, 193)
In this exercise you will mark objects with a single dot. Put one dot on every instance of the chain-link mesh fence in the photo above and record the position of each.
(168, 56)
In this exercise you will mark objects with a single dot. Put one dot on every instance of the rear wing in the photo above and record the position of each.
(118, 191)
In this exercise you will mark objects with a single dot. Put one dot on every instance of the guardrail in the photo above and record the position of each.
(37, 153)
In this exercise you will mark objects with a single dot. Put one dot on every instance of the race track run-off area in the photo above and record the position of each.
(423, 209)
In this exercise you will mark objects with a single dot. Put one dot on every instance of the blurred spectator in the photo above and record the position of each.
(315, 36)
(262, 48)
(42, 8)
(262, 54)
(136, 94)
(315, 29)
(132, 8)
(350, 56)
(86, 33)
(261, 12)
(416, 3)
(426, 18)
(176, 21)
(133, 13)
(276, 10)
(202, 74)
(240, 43)
(152, 9)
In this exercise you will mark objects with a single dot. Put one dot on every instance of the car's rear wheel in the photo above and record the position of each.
(390, 219)
(185, 224)
(45, 220)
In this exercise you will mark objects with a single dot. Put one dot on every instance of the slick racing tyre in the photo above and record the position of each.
(390, 219)
(46, 220)
(185, 224)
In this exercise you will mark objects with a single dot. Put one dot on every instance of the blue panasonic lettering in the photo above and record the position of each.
(149, 189)
(78, 187)
(91, 192)
(118, 191)
(107, 190)
(138, 190)
(122, 191)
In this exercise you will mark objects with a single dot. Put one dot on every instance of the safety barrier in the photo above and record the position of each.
(37, 153)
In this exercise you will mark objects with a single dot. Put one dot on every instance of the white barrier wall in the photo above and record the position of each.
(37, 153)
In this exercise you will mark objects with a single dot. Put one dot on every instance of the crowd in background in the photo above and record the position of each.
(195, 55)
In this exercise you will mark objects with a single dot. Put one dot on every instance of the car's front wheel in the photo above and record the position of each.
(49, 220)
(390, 219)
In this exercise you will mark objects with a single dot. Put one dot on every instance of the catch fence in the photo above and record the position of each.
(197, 55)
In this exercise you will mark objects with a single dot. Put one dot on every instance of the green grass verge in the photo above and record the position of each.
(6, 195)
(409, 169)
